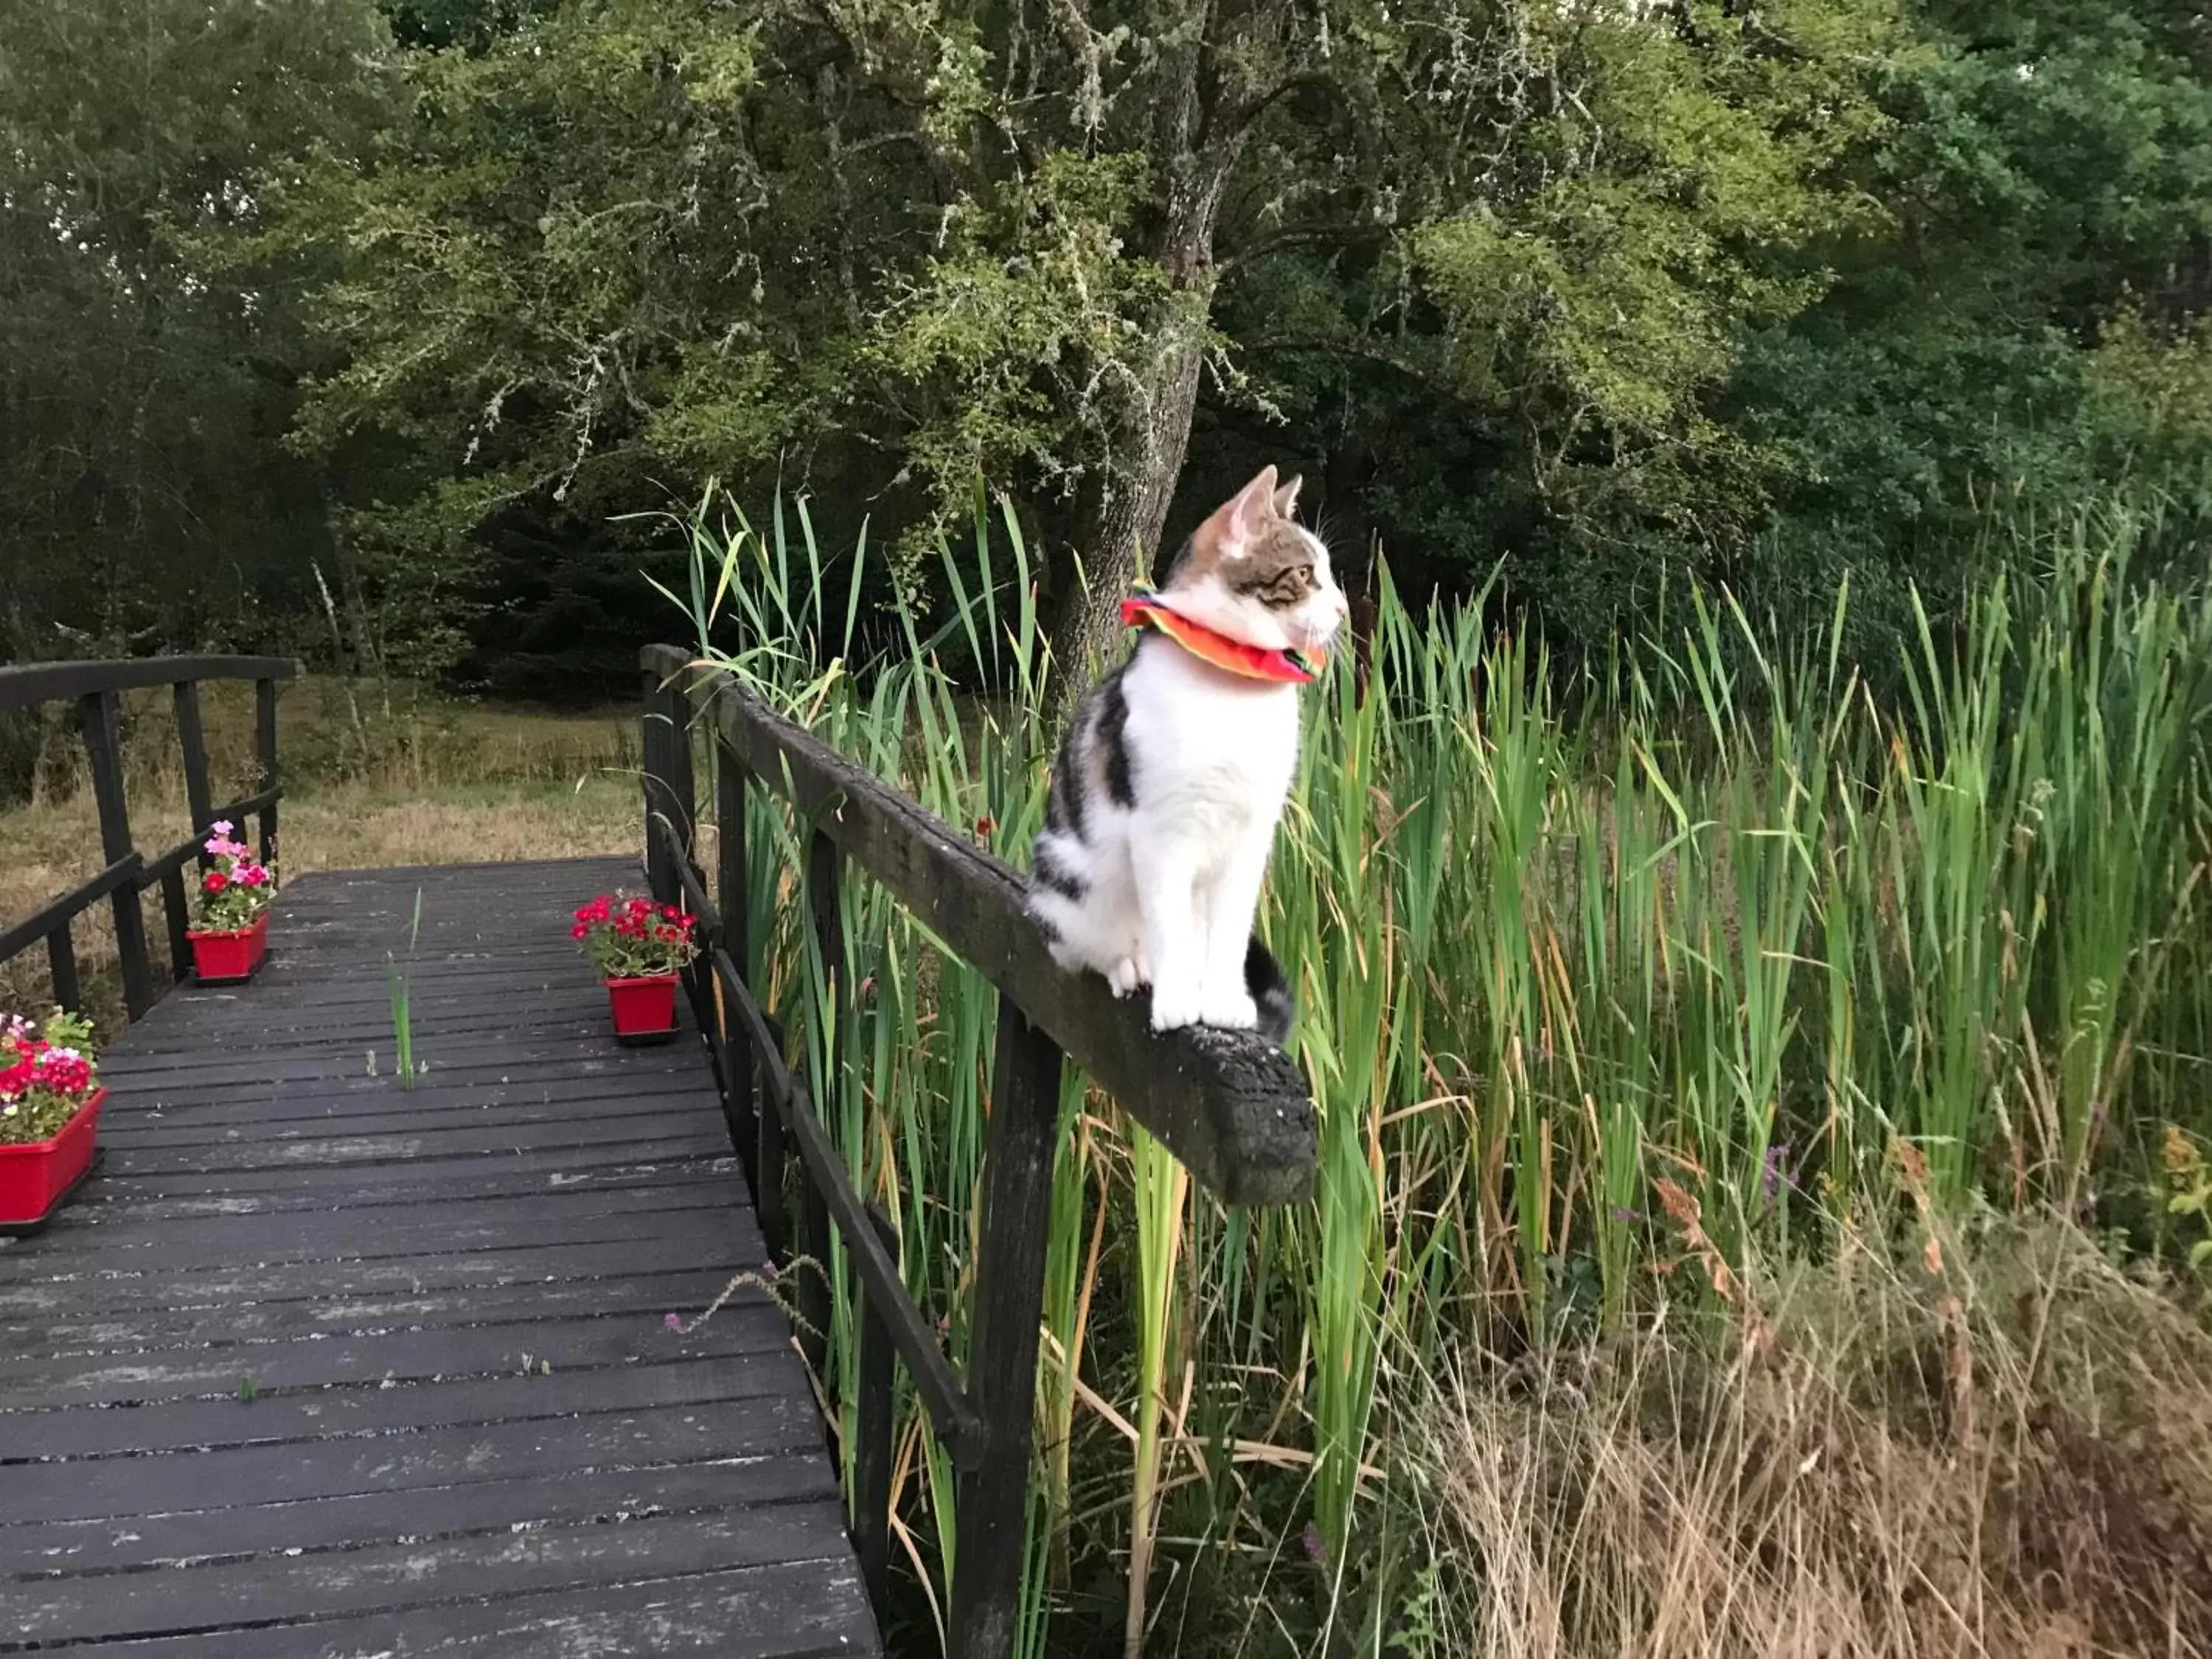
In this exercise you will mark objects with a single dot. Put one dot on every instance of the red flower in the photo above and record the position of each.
(214, 881)
(577, 930)
(64, 1074)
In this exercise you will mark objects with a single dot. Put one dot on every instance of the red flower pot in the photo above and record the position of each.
(229, 957)
(644, 1007)
(36, 1177)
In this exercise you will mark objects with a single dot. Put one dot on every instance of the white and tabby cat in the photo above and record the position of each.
(1166, 794)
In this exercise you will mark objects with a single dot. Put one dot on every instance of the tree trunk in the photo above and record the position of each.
(1123, 520)
(1126, 510)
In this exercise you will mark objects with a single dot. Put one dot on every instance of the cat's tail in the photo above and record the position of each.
(1270, 992)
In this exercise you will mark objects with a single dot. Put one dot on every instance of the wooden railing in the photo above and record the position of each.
(1232, 1106)
(97, 689)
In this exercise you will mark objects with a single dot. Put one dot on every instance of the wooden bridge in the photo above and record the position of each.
(319, 1364)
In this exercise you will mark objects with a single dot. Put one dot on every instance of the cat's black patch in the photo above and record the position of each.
(1063, 802)
(1112, 737)
(1270, 992)
(1048, 872)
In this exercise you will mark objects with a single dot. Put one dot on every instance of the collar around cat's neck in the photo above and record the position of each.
(1286, 666)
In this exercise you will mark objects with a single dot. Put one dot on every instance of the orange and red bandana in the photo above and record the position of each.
(1251, 662)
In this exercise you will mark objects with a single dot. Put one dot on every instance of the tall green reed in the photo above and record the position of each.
(1735, 923)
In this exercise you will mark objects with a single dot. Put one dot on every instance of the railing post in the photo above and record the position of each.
(683, 808)
(652, 738)
(61, 958)
(176, 911)
(732, 889)
(767, 1171)
(99, 713)
(872, 1451)
(1002, 1352)
(265, 746)
(199, 802)
(191, 738)
(823, 865)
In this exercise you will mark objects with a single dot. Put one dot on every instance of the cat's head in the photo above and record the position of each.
(1251, 573)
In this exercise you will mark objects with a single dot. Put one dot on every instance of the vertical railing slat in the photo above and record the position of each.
(265, 748)
(1002, 1354)
(176, 911)
(651, 744)
(732, 888)
(99, 713)
(824, 865)
(683, 819)
(768, 1161)
(61, 960)
(873, 1449)
(191, 738)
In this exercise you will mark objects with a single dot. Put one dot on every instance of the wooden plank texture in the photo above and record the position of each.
(373, 1369)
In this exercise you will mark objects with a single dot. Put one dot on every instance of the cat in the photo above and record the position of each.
(1166, 793)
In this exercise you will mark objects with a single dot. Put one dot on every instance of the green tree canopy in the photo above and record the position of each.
(429, 297)
(606, 244)
(145, 495)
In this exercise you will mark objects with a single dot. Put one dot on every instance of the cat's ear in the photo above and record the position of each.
(1231, 528)
(1287, 497)
(1247, 515)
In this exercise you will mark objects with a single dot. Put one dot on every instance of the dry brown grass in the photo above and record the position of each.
(432, 782)
(2008, 1457)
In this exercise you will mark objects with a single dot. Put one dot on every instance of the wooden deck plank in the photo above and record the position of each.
(232, 1325)
(550, 1173)
(366, 1370)
(778, 1612)
(119, 1488)
(352, 1582)
(594, 1496)
(115, 1195)
(327, 1413)
(702, 1221)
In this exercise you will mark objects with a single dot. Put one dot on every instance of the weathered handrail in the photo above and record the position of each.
(1232, 1106)
(97, 688)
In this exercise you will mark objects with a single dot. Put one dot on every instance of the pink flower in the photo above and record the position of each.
(221, 826)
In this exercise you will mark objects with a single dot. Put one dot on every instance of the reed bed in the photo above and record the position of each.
(1624, 997)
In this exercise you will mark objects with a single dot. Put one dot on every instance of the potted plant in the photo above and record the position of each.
(639, 948)
(229, 932)
(50, 1100)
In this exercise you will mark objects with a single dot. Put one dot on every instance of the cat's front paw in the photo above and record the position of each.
(1127, 975)
(1172, 1010)
(1234, 1012)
